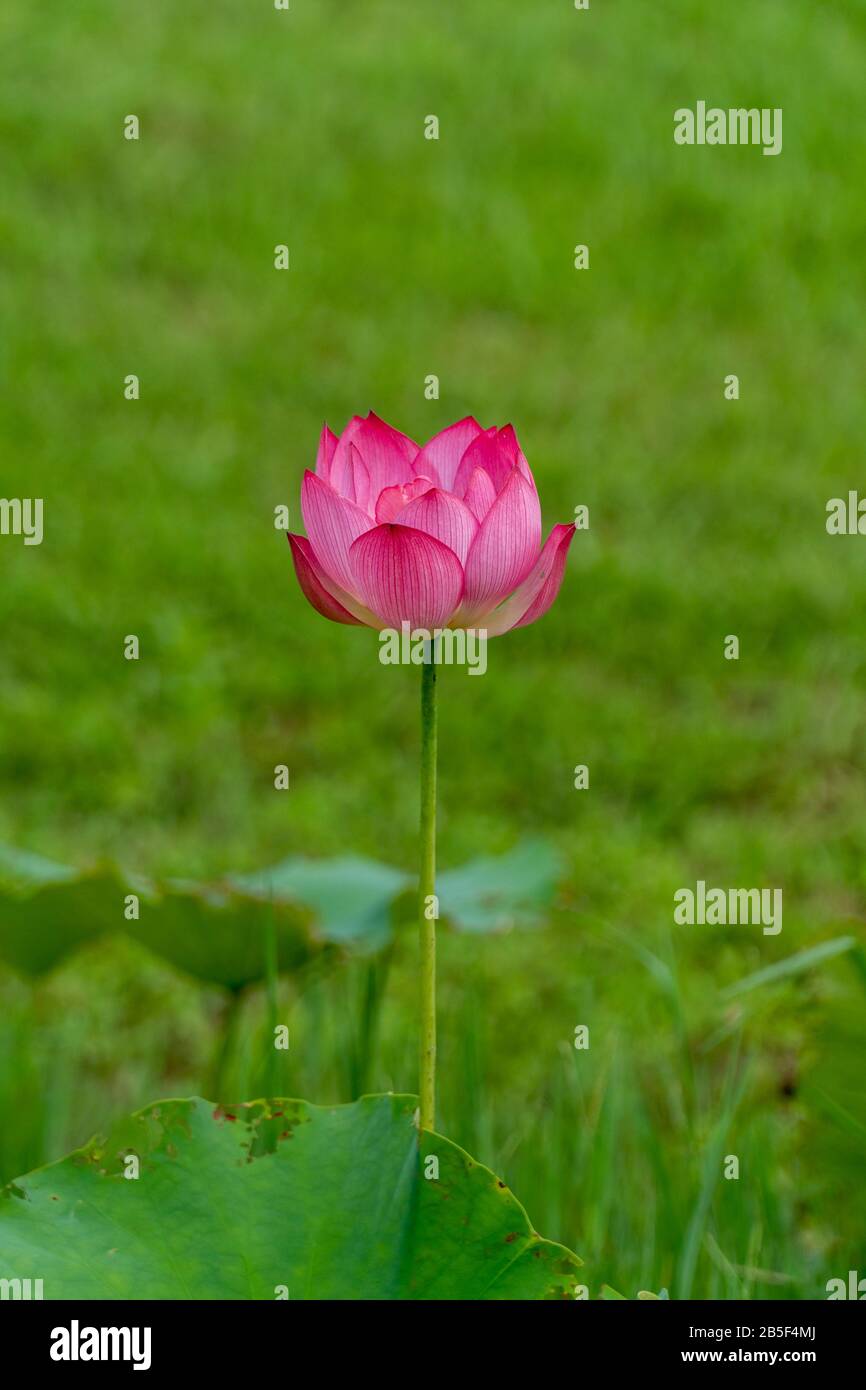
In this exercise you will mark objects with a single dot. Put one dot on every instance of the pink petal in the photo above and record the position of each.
(407, 576)
(360, 480)
(327, 444)
(441, 455)
(310, 578)
(332, 523)
(505, 548)
(482, 453)
(510, 443)
(480, 494)
(538, 590)
(498, 453)
(341, 476)
(444, 516)
(388, 454)
(392, 500)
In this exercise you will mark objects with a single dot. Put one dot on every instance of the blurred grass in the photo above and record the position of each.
(455, 257)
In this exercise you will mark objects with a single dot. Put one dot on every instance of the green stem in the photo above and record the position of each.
(427, 888)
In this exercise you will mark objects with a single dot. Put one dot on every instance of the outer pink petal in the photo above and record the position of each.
(538, 590)
(327, 445)
(444, 516)
(332, 523)
(440, 457)
(310, 578)
(480, 494)
(392, 500)
(505, 548)
(407, 576)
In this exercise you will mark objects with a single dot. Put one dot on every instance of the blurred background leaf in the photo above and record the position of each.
(496, 893)
(351, 897)
(213, 932)
(216, 931)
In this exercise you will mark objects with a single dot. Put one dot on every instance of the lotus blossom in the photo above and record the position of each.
(444, 535)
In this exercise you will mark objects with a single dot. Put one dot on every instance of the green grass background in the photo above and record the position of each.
(411, 257)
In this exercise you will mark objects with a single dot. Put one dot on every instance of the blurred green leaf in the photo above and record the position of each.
(218, 931)
(214, 932)
(711, 1171)
(323, 1202)
(496, 893)
(792, 965)
(350, 897)
(20, 869)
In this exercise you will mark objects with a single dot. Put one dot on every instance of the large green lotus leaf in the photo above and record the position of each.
(496, 893)
(242, 1203)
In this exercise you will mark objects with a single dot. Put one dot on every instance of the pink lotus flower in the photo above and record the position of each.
(448, 535)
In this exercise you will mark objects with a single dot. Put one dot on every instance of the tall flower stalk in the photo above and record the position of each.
(427, 906)
(444, 535)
